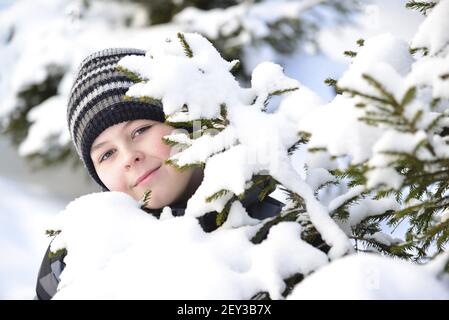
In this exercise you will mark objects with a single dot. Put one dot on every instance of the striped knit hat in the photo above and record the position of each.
(97, 102)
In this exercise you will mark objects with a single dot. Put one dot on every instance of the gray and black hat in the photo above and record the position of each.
(97, 102)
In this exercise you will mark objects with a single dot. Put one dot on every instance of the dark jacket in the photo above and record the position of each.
(51, 267)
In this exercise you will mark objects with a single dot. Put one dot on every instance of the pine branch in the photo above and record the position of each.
(222, 216)
(303, 138)
(370, 225)
(275, 93)
(145, 198)
(52, 233)
(263, 295)
(184, 167)
(282, 91)
(389, 97)
(188, 51)
(364, 95)
(173, 143)
(224, 115)
(350, 54)
(291, 282)
(421, 242)
(317, 149)
(409, 96)
(341, 212)
(324, 185)
(378, 217)
(391, 250)
(295, 147)
(294, 197)
(217, 195)
(262, 233)
(331, 82)
(129, 74)
(269, 187)
(421, 6)
(235, 65)
(148, 100)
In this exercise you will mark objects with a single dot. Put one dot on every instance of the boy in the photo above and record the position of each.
(120, 144)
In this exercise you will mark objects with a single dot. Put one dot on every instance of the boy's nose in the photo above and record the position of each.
(132, 158)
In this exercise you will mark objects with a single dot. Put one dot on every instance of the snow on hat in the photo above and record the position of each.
(96, 102)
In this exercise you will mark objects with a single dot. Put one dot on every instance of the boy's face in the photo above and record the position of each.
(129, 157)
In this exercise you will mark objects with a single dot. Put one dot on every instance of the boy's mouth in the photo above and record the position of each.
(146, 176)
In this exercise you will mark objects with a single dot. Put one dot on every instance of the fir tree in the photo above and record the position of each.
(417, 170)
(417, 119)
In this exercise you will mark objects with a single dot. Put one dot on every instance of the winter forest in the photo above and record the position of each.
(324, 105)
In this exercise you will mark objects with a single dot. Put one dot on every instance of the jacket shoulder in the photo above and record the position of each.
(267, 208)
(48, 277)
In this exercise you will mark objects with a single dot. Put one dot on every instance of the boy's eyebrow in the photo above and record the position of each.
(98, 145)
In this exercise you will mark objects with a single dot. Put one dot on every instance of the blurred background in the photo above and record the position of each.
(42, 43)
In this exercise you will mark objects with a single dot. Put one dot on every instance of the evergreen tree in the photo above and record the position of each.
(409, 159)
(404, 178)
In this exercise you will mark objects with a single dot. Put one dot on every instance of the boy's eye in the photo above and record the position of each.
(106, 155)
(140, 131)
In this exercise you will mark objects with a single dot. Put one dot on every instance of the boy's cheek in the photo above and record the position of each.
(115, 184)
(162, 149)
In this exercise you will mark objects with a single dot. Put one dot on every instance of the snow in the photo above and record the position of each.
(318, 213)
(444, 216)
(254, 19)
(25, 212)
(194, 76)
(180, 138)
(394, 141)
(161, 257)
(369, 207)
(429, 72)
(383, 238)
(369, 276)
(387, 177)
(45, 124)
(204, 146)
(109, 231)
(317, 177)
(382, 57)
(335, 126)
(363, 208)
(376, 17)
(432, 33)
(238, 217)
(267, 78)
(338, 201)
(210, 22)
(438, 264)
